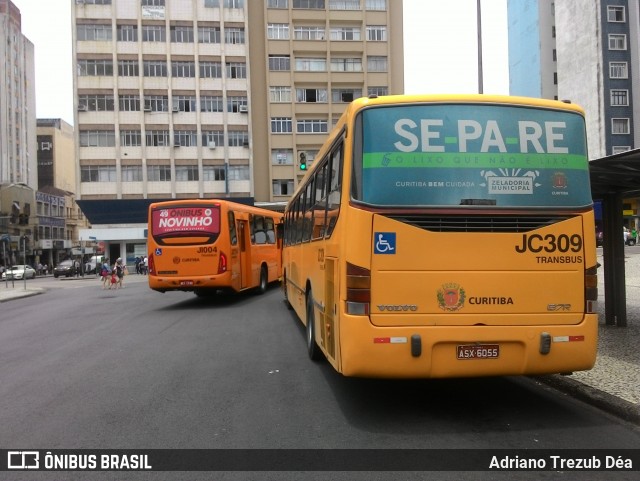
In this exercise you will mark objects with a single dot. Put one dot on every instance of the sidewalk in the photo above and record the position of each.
(614, 382)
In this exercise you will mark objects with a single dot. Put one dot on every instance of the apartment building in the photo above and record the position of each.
(589, 51)
(18, 167)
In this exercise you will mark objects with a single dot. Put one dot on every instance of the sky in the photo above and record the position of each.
(440, 43)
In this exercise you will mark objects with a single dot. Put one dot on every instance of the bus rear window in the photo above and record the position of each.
(181, 222)
(471, 154)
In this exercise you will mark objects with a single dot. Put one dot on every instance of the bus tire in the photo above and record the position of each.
(264, 280)
(312, 347)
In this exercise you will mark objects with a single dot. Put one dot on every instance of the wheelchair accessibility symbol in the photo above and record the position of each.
(385, 243)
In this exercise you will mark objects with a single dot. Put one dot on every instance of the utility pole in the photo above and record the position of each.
(479, 19)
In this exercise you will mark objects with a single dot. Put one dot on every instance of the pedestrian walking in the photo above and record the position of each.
(105, 273)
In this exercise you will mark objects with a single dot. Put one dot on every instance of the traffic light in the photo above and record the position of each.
(303, 161)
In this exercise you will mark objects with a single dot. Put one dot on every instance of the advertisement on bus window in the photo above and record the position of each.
(186, 221)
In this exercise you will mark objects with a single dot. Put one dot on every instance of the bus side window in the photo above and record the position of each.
(308, 211)
(320, 207)
(271, 235)
(259, 234)
(233, 235)
(335, 182)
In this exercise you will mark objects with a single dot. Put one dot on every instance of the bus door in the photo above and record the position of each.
(244, 241)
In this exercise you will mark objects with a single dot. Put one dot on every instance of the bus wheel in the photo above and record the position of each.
(312, 348)
(264, 280)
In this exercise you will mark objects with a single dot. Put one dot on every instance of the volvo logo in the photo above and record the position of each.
(397, 307)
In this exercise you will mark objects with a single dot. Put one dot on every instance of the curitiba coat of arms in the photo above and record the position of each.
(451, 297)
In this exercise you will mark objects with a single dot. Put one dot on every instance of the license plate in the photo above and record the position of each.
(478, 351)
(186, 283)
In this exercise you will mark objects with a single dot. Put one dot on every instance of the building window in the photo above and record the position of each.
(233, 3)
(187, 173)
(128, 68)
(97, 33)
(346, 33)
(211, 104)
(377, 64)
(280, 94)
(155, 68)
(277, 3)
(98, 173)
(96, 103)
(308, 33)
(619, 126)
(95, 68)
(238, 138)
(615, 13)
(311, 65)
(236, 70)
(127, 33)
(281, 125)
(234, 35)
(312, 126)
(185, 103)
(185, 138)
(279, 62)
(378, 91)
(156, 138)
(209, 34)
(344, 4)
(212, 172)
(282, 157)
(183, 69)
(311, 95)
(159, 173)
(617, 41)
(153, 3)
(181, 34)
(97, 138)
(156, 103)
(212, 138)
(308, 4)
(278, 31)
(619, 98)
(618, 70)
(376, 33)
(618, 149)
(212, 3)
(210, 69)
(239, 172)
(376, 4)
(129, 103)
(153, 33)
(346, 65)
(130, 138)
(282, 187)
(345, 95)
(237, 104)
(97, 2)
(131, 173)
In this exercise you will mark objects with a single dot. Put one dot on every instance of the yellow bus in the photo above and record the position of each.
(209, 245)
(447, 236)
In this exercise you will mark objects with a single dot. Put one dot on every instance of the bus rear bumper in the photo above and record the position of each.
(190, 283)
(470, 351)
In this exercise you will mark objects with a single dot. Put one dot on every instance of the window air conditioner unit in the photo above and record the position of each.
(245, 144)
(176, 108)
(147, 108)
(82, 108)
(243, 108)
(211, 145)
(176, 144)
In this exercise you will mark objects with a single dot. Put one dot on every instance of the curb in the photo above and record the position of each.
(21, 294)
(620, 408)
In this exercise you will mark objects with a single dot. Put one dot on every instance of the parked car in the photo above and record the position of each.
(19, 272)
(65, 268)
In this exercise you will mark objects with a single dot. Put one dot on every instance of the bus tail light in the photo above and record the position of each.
(358, 290)
(152, 265)
(591, 289)
(222, 263)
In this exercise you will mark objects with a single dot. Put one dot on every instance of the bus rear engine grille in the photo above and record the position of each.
(479, 223)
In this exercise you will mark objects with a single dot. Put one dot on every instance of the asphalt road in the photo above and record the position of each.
(81, 367)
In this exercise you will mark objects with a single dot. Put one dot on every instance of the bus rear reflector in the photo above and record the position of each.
(591, 289)
(358, 290)
(222, 263)
(152, 265)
